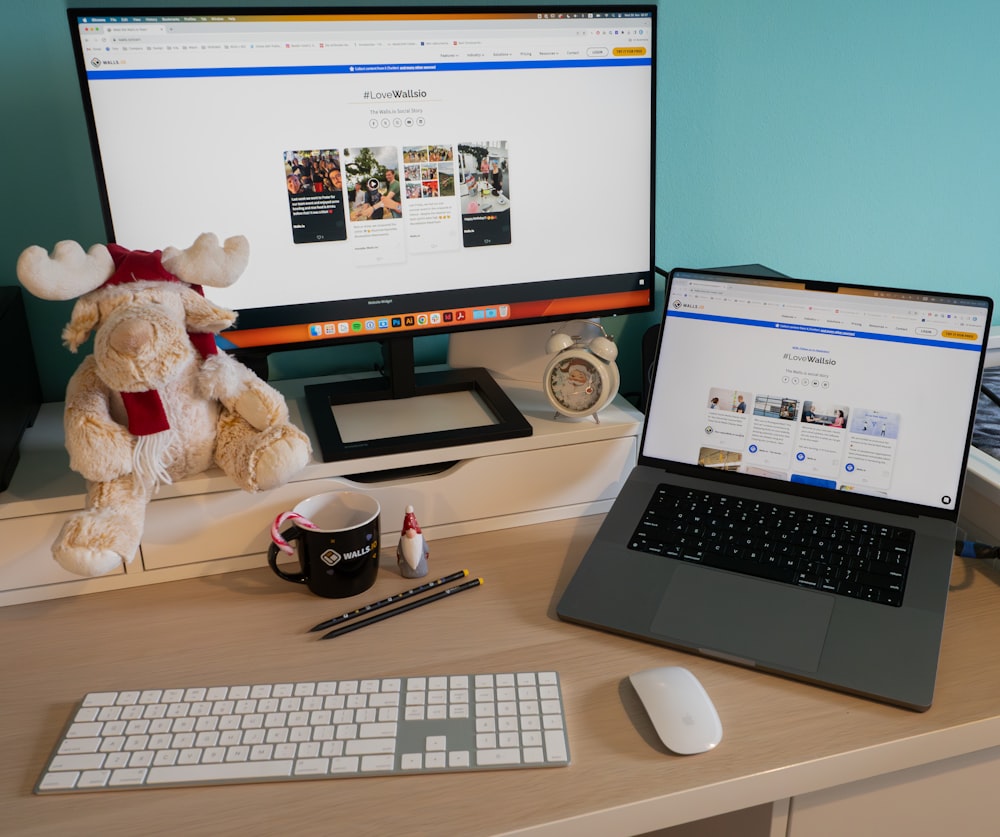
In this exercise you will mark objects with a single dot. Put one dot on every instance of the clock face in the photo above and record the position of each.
(576, 384)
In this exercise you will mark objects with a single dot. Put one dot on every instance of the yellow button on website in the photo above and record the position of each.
(625, 52)
(960, 335)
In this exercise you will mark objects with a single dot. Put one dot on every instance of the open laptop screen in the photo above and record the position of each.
(849, 388)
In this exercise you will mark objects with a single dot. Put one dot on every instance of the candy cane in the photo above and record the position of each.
(280, 521)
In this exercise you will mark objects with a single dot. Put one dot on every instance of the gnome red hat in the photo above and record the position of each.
(410, 521)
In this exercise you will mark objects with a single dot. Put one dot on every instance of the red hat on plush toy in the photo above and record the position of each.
(145, 266)
(137, 265)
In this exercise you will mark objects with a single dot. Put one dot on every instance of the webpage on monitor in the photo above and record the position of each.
(378, 157)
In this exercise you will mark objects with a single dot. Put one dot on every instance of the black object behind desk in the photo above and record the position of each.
(986, 432)
(22, 390)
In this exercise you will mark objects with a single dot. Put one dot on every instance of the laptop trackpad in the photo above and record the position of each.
(757, 621)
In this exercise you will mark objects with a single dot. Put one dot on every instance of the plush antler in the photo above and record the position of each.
(206, 262)
(68, 273)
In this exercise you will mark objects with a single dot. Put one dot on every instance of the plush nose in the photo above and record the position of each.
(129, 337)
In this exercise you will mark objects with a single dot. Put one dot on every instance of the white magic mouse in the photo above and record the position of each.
(679, 707)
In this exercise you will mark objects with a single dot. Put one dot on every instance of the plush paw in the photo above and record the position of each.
(284, 453)
(228, 381)
(87, 562)
(259, 460)
(95, 542)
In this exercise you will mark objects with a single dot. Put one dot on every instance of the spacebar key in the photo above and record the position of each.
(247, 771)
(772, 572)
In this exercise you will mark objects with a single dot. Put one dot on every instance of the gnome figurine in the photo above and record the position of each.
(411, 554)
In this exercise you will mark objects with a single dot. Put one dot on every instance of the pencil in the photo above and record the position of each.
(378, 617)
(368, 608)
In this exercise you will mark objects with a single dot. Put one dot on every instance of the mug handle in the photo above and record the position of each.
(272, 560)
(279, 541)
(279, 538)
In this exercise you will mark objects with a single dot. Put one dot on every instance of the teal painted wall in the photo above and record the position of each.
(853, 141)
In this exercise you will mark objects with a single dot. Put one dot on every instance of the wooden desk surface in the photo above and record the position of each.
(781, 738)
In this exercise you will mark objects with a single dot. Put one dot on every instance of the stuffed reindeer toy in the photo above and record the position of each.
(155, 401)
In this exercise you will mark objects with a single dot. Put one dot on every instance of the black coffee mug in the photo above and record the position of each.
(337, 540)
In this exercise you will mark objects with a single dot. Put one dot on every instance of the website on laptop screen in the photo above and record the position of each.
(862, 390)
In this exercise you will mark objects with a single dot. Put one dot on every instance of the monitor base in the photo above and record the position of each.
(365, 417)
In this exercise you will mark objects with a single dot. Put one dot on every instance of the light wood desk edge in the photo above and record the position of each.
(782, 739)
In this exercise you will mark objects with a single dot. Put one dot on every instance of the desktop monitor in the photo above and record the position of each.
(398, 173)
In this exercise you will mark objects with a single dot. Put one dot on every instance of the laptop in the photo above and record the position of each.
(787, 407)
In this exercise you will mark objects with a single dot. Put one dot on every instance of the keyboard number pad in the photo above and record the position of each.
(514, 719)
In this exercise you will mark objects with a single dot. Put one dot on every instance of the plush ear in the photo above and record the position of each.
(206, 262)
(205, 317)
(68, 273)
(82, 321)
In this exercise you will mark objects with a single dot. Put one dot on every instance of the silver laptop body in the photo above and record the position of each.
(833, 400)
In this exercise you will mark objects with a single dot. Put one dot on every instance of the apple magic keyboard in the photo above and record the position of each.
(309, 730)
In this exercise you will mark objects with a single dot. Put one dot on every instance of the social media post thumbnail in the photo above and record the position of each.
(719, 459)
(818, 447)
(726, 417)
(314, 183)
(429, 183)
(772, 432)
(730, 460)
(824, 414)
(727, 400)
(373, 184)
(871, 450)
(375, 203)
(484, 190)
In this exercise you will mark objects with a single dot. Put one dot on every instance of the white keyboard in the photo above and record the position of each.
(311, 730)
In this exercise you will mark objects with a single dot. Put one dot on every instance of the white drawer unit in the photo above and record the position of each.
(205, 525)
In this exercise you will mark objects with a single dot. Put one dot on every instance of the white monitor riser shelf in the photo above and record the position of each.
(204, 525)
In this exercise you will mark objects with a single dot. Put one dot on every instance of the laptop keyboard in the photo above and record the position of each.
(842, 555)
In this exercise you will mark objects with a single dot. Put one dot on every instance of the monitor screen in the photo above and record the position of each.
(398, 173)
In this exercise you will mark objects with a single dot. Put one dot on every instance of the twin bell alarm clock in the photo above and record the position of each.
(582, 378)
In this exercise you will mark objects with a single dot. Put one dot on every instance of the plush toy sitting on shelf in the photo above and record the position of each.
(155, 401)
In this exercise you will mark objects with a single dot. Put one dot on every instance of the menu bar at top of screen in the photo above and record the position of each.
(918, 320)
(457, 18)
(117, 45)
